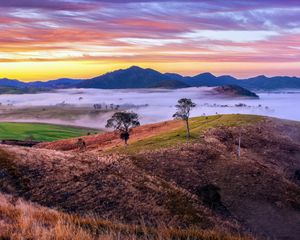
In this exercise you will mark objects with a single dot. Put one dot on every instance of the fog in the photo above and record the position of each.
(158, 105)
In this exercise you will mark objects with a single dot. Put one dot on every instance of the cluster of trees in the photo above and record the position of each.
(125, 121)
(106, 107)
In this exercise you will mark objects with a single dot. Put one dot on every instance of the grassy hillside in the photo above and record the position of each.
(198, 126)
(159, 179)
(158, 135)
(40, 132)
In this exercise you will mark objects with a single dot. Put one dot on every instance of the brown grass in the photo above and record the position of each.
(21, 220)
(160, 185)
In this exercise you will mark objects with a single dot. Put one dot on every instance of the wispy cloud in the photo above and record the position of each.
(150, 31)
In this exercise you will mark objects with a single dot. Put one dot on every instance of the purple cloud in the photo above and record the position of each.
(151, 30)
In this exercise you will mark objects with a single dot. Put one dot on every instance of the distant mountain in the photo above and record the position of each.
(19, 90)
(5, 82)
(174, 76)
(52, 84)
(136, 77)
(133, 77)
(266, 83)
(170, 84)
(209, 80)
(58, 83)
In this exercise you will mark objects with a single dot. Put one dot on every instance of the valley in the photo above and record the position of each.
(76, 107)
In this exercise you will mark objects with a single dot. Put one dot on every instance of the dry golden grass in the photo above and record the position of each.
(20, 220)
(159, 183)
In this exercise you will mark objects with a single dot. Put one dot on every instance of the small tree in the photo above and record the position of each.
(81, 144)
(184, 107)
(123, 122)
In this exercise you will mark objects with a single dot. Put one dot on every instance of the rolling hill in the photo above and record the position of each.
(161, 179)
(234, 91)
(21, 219)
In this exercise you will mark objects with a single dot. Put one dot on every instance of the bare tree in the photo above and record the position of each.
(123, 122)
(184, 107)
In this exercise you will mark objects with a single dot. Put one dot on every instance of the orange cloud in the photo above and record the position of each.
(187, 36)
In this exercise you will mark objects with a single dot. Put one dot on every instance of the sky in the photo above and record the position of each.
(49, 39)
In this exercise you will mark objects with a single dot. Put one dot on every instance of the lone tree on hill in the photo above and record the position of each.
(184, 107)
(123, 122)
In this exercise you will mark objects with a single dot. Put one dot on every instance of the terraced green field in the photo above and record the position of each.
(41, 132)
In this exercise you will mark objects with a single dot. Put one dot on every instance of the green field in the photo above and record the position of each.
(40, 131)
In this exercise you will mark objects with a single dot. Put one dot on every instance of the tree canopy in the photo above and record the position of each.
(123, 122)
(184, 107)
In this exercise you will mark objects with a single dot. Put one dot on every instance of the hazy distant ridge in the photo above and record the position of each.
(136, 77)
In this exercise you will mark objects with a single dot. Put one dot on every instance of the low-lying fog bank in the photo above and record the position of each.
(76, 106)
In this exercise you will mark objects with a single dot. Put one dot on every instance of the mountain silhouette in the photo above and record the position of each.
(137, 77)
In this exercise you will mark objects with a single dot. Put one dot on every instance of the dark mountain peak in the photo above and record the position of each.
(205, 75)
(134, 68)
(130, 70)
(261, 76)
(141, 71)
(227, 77)
(137, 69)
(133, 77)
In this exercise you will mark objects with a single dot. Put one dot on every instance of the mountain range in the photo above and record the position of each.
(51, 84)
(136, 77)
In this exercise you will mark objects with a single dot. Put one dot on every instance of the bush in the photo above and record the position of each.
(210, 195)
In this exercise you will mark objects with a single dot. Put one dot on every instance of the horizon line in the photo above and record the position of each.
(145, 68)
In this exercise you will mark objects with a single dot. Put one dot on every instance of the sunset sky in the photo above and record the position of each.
(48, 39)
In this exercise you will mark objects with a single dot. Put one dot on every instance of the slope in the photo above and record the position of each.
(160, 178)
(20, 219)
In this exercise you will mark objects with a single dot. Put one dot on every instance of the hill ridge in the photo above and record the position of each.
(137, 77)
